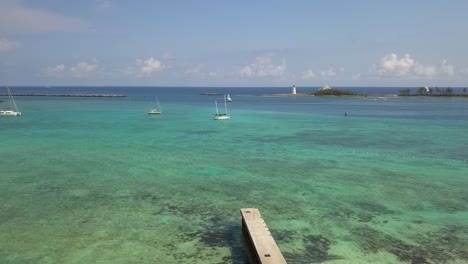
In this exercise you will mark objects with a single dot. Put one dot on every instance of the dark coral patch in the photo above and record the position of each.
(315, 251)
(437, 247)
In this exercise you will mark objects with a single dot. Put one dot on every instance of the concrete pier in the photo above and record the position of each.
(263, 245)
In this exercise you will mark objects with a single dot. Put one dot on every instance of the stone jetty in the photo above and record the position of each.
(70, 95)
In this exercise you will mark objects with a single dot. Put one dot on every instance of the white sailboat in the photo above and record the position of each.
(157, 110)
(12, 110)
(219, 116)
(228, 98)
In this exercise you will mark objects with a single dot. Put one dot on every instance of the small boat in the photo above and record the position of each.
(12, 110)
(222, 116)
(157, 110)
(210, 94)
(228, 98)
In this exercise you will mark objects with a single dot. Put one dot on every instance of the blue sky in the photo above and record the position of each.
(234, 43)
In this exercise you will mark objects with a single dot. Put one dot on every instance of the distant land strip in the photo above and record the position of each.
(70, 95)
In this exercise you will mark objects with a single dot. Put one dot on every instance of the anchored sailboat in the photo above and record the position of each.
(219, 116)
(157, 110)
(228, 98)
(12, 110)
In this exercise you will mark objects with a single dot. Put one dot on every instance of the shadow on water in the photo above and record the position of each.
(230, 236)
(315, 248)
(218, 231)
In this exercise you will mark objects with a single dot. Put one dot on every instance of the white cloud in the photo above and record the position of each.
(196, 71)
(6, 44)
(149, 66)
(447, 68)
(79, 70)
(393, 66)
(83, 69)
(15, 18)
(330, 72)
(201, 72)
(56, 71)
(308, 74)
(263, 67)
(429, 71)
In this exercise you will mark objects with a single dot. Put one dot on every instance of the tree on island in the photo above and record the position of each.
(424, 91)
(448, 91)
(332, 91)
(405, 92)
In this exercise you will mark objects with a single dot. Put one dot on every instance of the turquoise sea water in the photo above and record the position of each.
(97, 180)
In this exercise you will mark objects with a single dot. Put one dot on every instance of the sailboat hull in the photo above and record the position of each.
(9, 113)
(221, 117)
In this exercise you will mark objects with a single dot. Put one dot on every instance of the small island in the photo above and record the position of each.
(433, 92)
(322, 91)
(422, 91)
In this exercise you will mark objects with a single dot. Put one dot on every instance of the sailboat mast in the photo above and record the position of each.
(216, 103)
(12, 101)
(225, 105)
(158, 105)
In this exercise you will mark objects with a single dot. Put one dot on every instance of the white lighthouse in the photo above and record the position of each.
(293, 89)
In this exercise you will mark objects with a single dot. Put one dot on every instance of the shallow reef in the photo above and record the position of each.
(437, 247)
(315, 249)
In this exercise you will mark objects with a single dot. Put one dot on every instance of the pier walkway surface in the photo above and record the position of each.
(265, 249)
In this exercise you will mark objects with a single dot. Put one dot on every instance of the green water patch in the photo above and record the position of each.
(443, 245)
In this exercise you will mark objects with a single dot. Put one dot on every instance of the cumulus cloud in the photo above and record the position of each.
(79, 70)
(15, 17)
(429, 71)
(263, 67)
(447, 68)
(196, 71)
(55, 71)
(393, 66)
(330, 72)
(308, 74)
(356, 76)
(83, 69)
(6, 44)
(149, 66)
(200, 71)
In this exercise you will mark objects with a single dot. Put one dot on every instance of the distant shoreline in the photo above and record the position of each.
(313, 95)
(364, 95)
(70, 95)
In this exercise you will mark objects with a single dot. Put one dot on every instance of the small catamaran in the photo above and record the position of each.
(12, 110)
(157, 110)
(219, 116)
